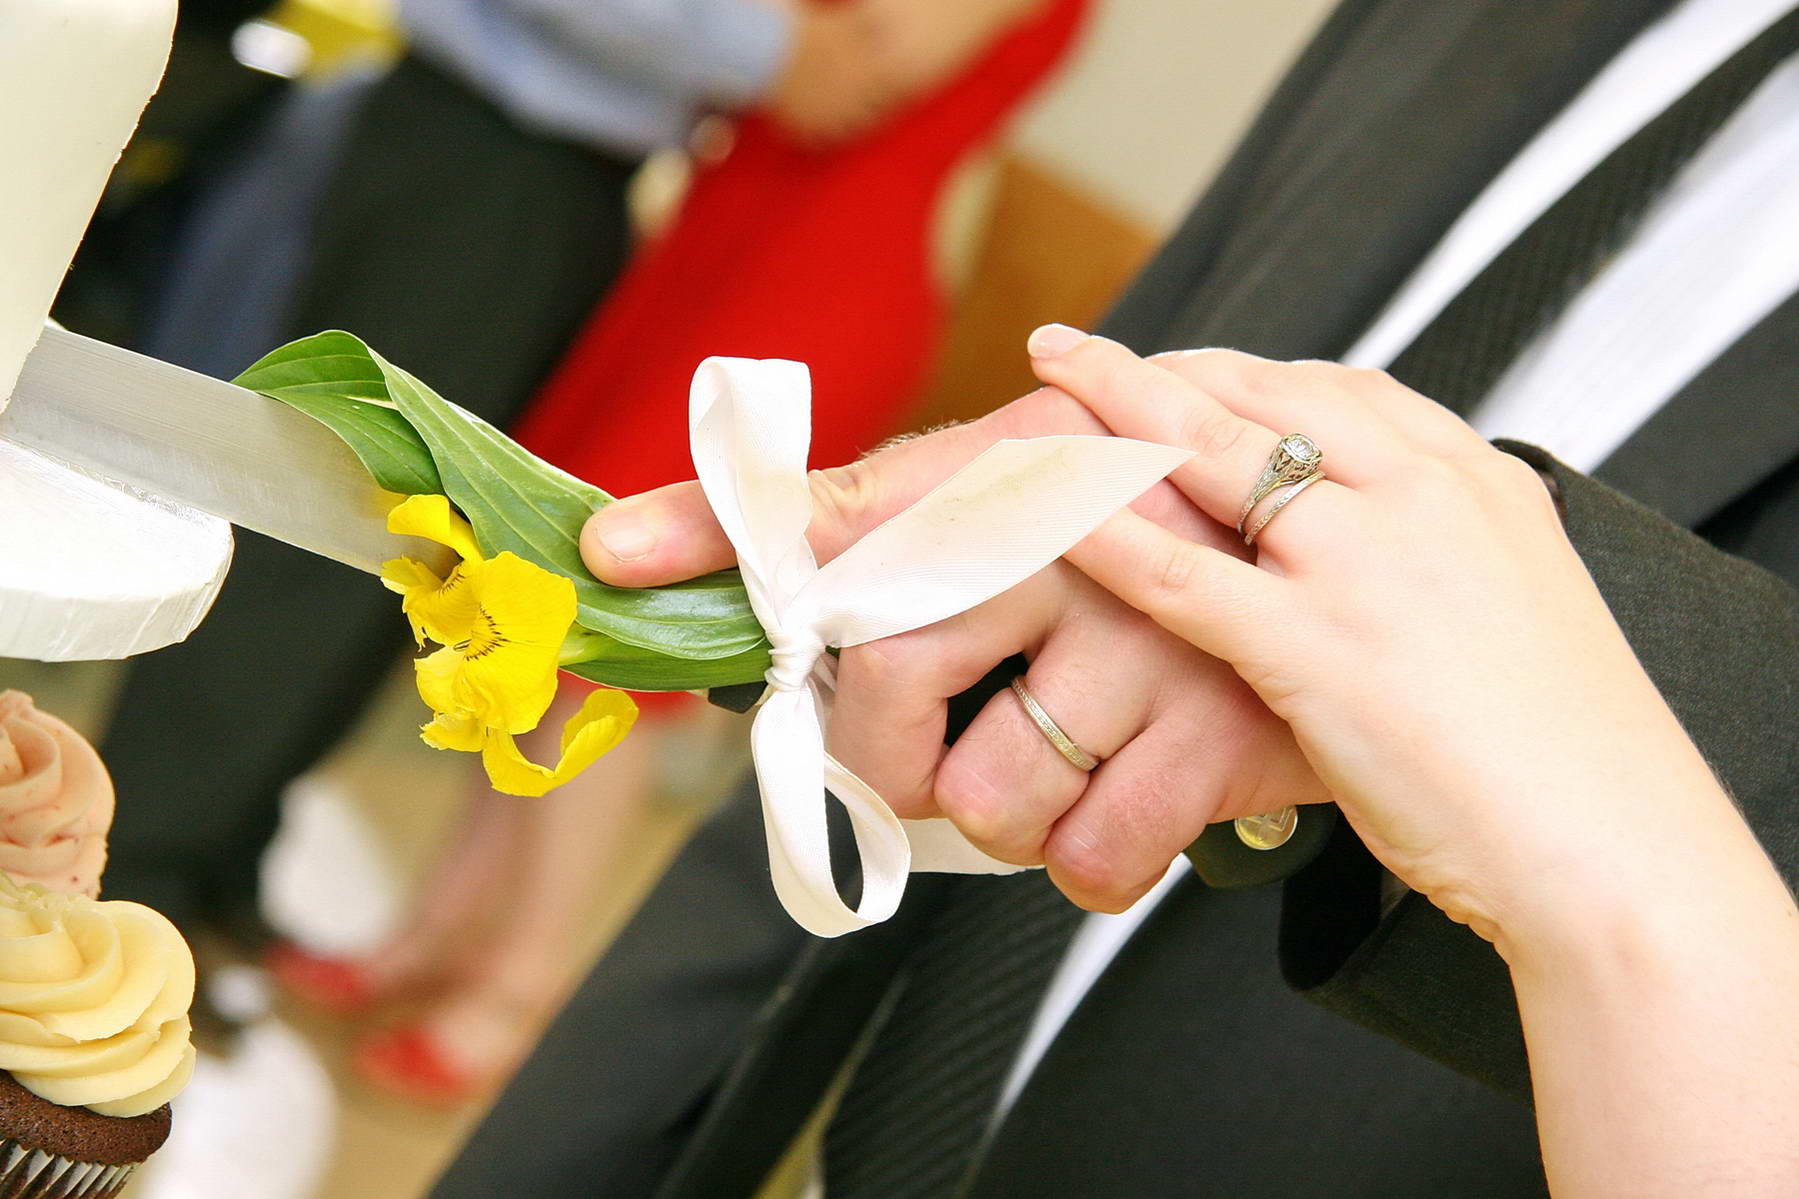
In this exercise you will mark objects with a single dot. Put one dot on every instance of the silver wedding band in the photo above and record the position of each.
(1274, 509)
(1052, 731)
(1295, 464)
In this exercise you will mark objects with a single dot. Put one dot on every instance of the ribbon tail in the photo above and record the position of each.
(938, 847)
(787, 741)
(996, 522)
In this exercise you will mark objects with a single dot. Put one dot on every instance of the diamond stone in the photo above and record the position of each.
(1301, 448)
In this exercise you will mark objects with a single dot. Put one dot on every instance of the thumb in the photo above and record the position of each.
(658, 537)
(670, 534)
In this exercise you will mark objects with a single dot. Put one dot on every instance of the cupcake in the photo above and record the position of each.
(94, 996)
(94, 1040)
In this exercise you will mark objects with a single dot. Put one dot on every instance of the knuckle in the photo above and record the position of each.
(1368, 376)
(1514, 475)
(886, 667)
(1520, 488)
(1046, 410)
(842, 497)
(1087, 873)
(1319, 370)
(972, 803)
(913, 802)
(1235, 361)
(1436, 475)
(1214, 434)
(1191, 365)
(1261, 377)
(1324, 382)
(1209, 366)
(1174, 575)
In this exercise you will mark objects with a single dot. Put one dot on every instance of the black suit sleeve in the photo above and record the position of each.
(1720, 637)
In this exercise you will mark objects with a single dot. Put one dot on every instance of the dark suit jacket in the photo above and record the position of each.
(689, 1059)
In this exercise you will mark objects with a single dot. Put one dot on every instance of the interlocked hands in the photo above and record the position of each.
(1414, 638)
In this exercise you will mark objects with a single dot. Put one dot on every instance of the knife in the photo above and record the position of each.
(210, 445)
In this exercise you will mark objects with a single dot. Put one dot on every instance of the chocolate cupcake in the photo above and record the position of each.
(94, 1040)
(56, 1150)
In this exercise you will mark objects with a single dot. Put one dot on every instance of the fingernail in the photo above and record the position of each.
(626, 532)
(1051, 341)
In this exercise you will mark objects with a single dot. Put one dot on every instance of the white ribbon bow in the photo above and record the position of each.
(1009, 513)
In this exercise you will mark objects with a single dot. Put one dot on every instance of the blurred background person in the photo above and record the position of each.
(808, 235)
(464, 211)
(211, 99)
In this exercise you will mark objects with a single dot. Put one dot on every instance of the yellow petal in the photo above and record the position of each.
(589, 734)
(454, 732)
(436, 678)
(602, 706)
(408, 576)
(430, 516)
(405, 575)
(511, 655)
(448, 614)
(507, 688)
(527, 604)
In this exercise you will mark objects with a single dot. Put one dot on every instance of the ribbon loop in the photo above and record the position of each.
(1006, 515)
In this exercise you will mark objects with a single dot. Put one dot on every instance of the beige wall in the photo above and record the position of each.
(1159, 93)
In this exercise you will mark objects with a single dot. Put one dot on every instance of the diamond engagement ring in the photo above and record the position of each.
(1051, 730)
(1296, 458)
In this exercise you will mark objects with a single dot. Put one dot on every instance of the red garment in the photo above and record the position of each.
(780, 251)
(784, 252)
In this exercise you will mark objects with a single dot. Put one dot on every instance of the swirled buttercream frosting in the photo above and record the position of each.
(93, 1001)
(56, 800)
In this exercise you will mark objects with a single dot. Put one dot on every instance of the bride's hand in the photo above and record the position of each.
(1422, 622)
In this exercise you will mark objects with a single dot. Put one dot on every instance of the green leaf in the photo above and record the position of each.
(680, 637)
(637, 669)
(333, 378)
(518, 502)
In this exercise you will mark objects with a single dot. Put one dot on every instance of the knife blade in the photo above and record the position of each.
(222, 449)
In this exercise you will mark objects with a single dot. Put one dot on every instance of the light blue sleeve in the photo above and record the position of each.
(725, 52)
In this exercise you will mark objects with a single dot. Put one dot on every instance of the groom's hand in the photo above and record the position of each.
(669, 534)
(1185, 741)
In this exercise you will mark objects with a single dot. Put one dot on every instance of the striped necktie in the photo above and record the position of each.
(1461, 354)
(920, 1101)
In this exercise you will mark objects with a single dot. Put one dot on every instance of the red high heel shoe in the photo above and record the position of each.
(335, 985)
(416, 1060)
(407, 1061)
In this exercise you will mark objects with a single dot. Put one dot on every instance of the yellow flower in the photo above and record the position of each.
(502, 622)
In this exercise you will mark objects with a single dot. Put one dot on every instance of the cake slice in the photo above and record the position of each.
(87, 569)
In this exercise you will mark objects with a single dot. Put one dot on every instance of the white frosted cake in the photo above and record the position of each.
(86, 570)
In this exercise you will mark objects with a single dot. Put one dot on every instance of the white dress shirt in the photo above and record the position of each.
(1716, 253)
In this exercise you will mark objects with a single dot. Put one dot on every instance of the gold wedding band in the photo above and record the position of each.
(1052, 731)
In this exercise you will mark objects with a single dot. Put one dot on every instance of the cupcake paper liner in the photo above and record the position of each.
(33, 1174)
